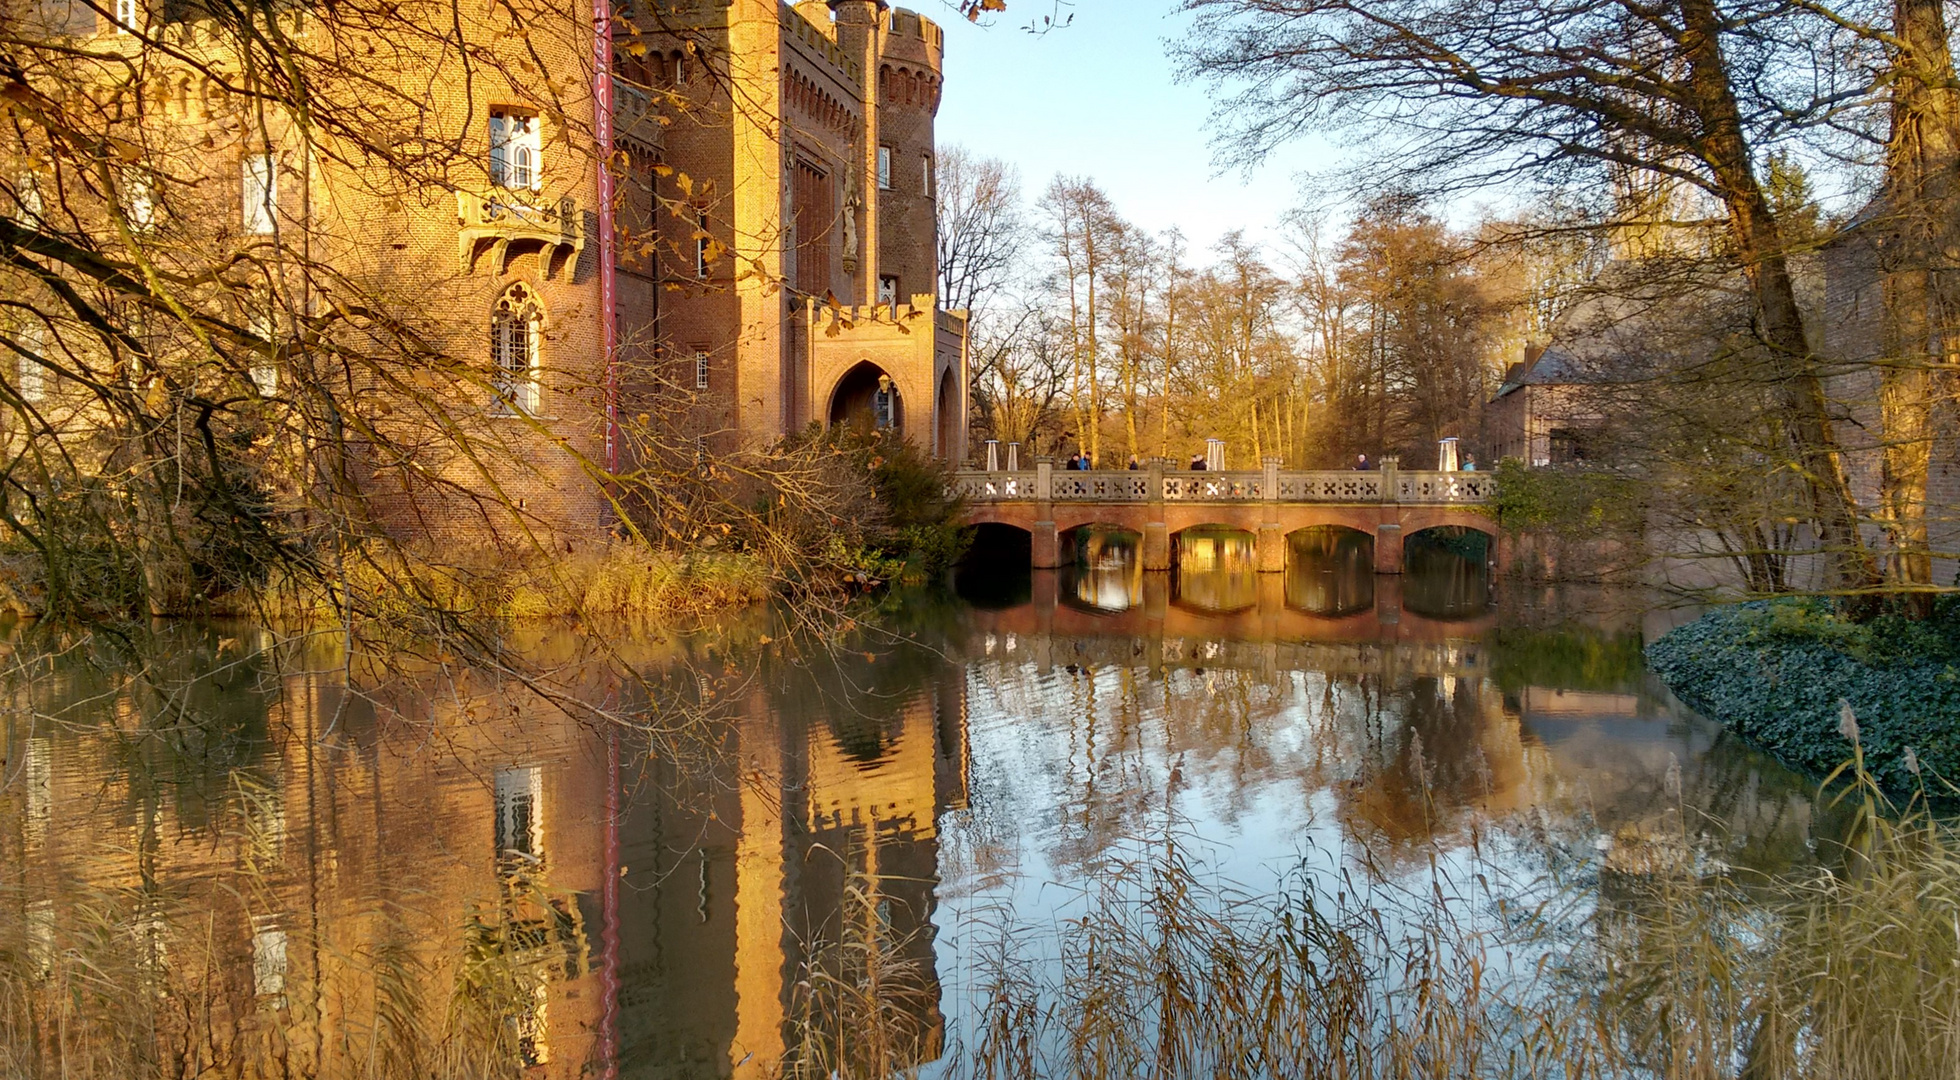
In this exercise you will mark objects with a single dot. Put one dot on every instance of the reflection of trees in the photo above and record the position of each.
(1107, 574)
(1331, 571)
(1442, 583)
(1217, 570)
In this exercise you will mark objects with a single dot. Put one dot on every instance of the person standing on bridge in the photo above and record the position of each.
(1198, 462)
(1360, 463)
(1073, 464)
(1133, 463)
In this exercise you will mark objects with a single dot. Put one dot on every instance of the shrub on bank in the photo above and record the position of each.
(1774, 672)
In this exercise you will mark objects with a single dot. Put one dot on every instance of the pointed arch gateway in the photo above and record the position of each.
(946, 413)
(867, 397)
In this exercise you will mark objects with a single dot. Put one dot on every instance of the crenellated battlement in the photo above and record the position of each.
(912, 40)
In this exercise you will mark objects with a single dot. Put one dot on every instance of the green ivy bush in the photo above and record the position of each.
(1774, 672)
(1568, 502)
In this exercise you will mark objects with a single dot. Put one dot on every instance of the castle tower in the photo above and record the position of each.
(908, 87)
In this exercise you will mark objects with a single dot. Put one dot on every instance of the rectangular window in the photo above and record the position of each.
(127, 14)
(261, 186)
(925, 175)
(519, 798)
(703, 248)
(140, 203)
(701, 451)
(27, 192)
(515, 151)
(887, 289)
(264, 372)
(514, 349)
(885, 167)
(269, 961)
(700, 369)
(33, 381)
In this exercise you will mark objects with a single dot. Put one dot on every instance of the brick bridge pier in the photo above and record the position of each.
(1387, 506)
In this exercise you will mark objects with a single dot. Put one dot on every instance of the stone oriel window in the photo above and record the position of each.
(514, 338)
(516, 152)
(259, 181)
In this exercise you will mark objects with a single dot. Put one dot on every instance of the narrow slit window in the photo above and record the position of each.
(885, 168)
(925, 175)
(703, 247)
(700, 369)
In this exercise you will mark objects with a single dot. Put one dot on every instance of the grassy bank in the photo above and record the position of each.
(1775, 672)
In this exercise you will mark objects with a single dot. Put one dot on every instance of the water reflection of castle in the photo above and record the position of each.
(346, 893)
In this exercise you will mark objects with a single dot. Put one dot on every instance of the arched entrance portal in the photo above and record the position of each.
(867, 397)
(947, 415)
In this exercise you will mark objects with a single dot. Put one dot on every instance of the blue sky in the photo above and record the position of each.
(1097, 99)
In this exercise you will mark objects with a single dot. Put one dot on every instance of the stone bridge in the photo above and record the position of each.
(1387, 506)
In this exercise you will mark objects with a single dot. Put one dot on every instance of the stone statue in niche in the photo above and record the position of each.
(851, 203)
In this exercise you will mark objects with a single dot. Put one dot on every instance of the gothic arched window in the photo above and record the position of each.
(514, 334)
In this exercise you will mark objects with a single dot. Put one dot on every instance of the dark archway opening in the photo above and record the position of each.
(1330, 570)
(1446, 572)
(866, 397)
(946, 415)
(995, 572)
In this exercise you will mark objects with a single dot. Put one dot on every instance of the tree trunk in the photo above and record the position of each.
(1759, 245)
(1919, 293)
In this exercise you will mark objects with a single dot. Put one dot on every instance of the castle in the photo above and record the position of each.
(605, 241)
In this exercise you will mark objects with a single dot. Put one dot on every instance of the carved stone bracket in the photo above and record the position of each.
(510, 224)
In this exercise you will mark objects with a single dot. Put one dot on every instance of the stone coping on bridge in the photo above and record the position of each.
(1271, 485)
(1387, 505)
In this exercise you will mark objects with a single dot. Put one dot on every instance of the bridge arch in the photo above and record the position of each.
(1449, 571)
(1330, 570)
(999, 540)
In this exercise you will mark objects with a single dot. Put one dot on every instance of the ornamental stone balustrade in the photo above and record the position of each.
(1386, 504)
(511, 222)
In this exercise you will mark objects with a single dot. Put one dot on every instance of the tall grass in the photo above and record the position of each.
(1651, 959)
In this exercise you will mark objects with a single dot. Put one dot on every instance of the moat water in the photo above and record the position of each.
(253, 859)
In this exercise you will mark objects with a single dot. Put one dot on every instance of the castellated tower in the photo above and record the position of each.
(908, 86)
(802, 287)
